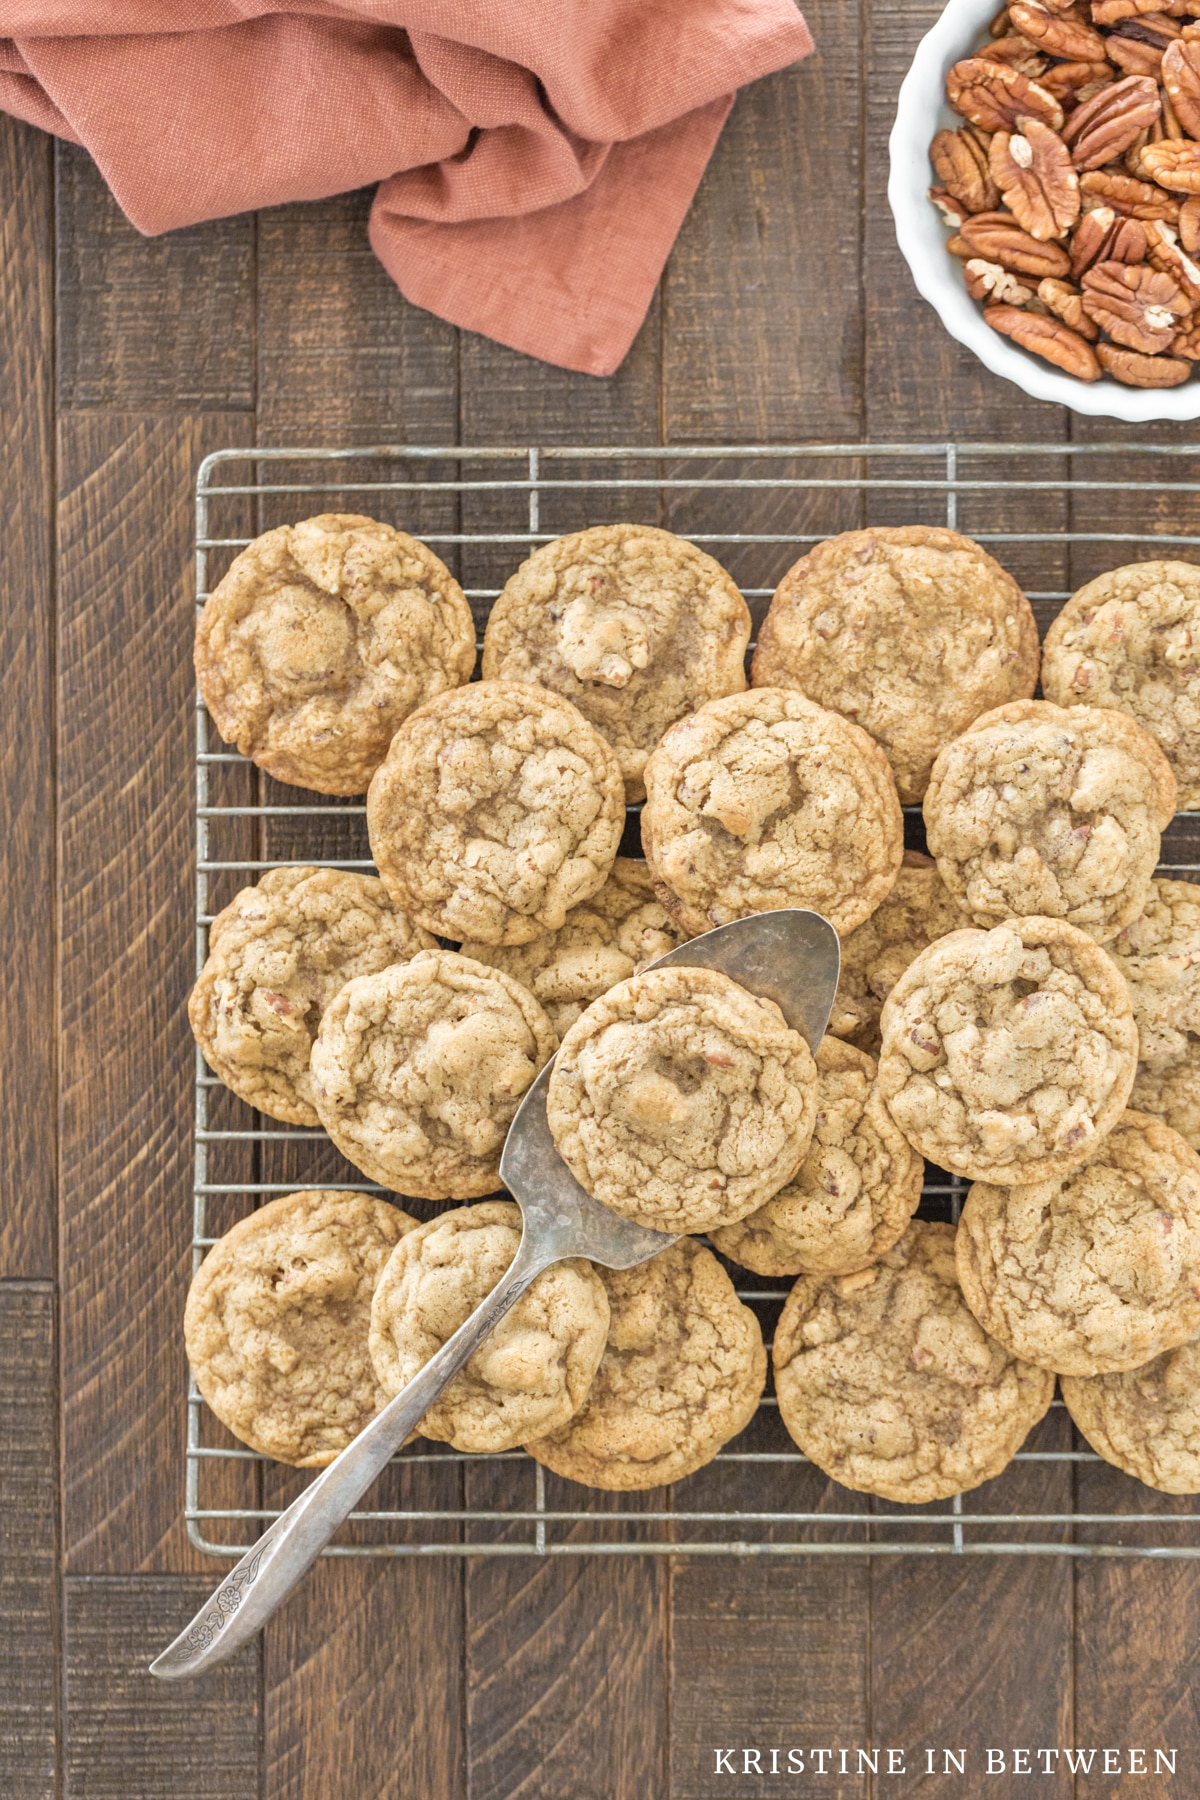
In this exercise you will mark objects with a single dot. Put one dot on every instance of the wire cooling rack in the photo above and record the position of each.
(1055, 514)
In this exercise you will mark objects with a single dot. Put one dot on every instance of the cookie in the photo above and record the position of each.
(634, 625)
(1131, 640)
(1093, 1271)
(1147, 1420)
(911, 631)
(1159, 956)
(497, 809)
(277, 955)
(764, 800)
(682, 1101)
(603, 941)
(417, 1072)
(1050, 810)
(321, 638)
(1008, 1054)
(875, 955)
(887, 1382)
(681, 1374)
(277, 1318)
(853, 1194)
(534, 1371)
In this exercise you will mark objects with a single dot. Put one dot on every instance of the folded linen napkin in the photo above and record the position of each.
(535, 157)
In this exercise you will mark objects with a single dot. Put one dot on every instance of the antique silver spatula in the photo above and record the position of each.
(791, 957)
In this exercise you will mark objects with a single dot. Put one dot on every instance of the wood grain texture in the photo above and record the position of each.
(27, 1006)
(1136, 1672)
(150, 323)
(124, 762)
(28, 1549)
(129, 1737)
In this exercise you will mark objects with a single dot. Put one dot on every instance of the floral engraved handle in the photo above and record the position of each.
(208, 1625)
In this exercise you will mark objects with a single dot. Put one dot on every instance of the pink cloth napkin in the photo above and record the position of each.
(535, 157)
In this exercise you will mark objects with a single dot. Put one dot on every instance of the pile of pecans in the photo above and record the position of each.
(1073, 188)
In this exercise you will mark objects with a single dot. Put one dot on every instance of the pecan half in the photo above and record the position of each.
(1066, 303)
(989, 281)
(1111, 12)
(1091, 239)
(1033, 170)
(1074, 82)
(1048, 338)
(1137, 45)
(1187, 343)
(1136, 370)
(1175, 164)
(1181, 78)
(953, 211)
(994, 96)
(961, 166)
(1134, 199)
(1019, 54)
(1101, 128)
(1165, 254)
(998, 238)
(1138, 306)
(1058, 33)
(1189, 225)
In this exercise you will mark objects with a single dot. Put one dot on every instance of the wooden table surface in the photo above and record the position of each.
(785, 314)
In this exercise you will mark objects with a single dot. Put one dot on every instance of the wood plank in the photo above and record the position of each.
(1137, 1670)
(28, 1548)
(128, 1735)
(150, 323)
(27, 1151)
(124, 775)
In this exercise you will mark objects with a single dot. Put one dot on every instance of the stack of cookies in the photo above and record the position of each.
(1000, 1001)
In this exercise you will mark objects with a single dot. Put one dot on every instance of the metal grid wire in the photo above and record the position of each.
(1055, 514)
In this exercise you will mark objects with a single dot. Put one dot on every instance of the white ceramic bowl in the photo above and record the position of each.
(921, 111)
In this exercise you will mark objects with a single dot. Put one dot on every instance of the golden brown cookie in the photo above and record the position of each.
(887, 1382)
(604, 940)
(1050, 810)
(764, 800)
(911, 631)
(682, 1101)
(277, 955)
(634, 625)
(681, 1374)
(534, 1371)
(321, 638)
(853, 1194)
(1146, 1420)
(1131, 640)
(498, 807)
(918, 910)
(1096, 1270)
(277, 1318)
(1159, 956)
(1008, 1054)
(417, 1072)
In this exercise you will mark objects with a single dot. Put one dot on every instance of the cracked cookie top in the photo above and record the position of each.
(682, 1101)
(853, 1194)
(634, 625)
(918, 910)
(277, 955)
(764, 800)
(1050, 810)
(321, 638)
(604, 940)
(1008, 1054)
(532, 1373)
(418, 1070)
(912, 631)
(1145, 1420)
(277, 1318)
(1097, 1270)
(497, 809)
(1131, 640)
(681, 1374)
(888, 1383)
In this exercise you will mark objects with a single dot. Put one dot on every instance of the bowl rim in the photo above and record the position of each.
(920, 109)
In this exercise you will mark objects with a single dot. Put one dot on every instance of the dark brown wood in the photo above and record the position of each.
(27, 1151)
(127, 1734)
(29, 1633)
(124, 768)
(1136, 1674)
